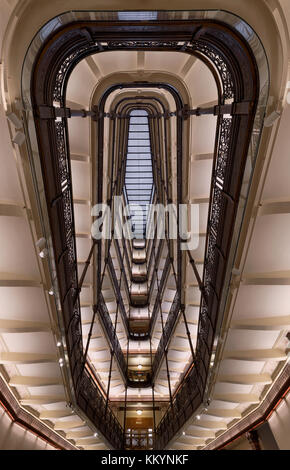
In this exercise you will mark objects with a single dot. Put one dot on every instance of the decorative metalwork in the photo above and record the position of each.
(96, 410)
(215, 209)
(142, 44)
(185, 402)
(109, 330)
(62, 161)
(159, 294)
(219, 172)
(209, 51)
(157, 257)
(138, 440)
(65, 184)
(188, 396)
(167, 331)
(63, 71)
(104, 316)
(219, 61)
(223, 148)
(121, 262)
(118, 293)
(139, 378)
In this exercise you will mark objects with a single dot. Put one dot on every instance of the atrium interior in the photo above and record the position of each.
(145, 222)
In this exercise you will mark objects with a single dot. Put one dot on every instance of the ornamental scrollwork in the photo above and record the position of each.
(219, 173)
(141, 44)
(215, 57)
(63, 70)
(88, 387)
(65, 184)
(223, 148)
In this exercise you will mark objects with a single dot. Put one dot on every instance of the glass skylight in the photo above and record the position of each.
(139, 175)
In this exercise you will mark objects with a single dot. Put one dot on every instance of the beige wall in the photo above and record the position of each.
(241, 443)
(280, 424)
(14, 437)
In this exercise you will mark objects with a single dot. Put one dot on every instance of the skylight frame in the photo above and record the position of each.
(138, 187)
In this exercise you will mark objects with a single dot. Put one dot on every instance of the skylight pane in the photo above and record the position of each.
(139, 120)
(139, 135)
(139, 143)
(138, 174)
(138, 128)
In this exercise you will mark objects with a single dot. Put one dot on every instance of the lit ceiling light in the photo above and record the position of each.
(96, 434)
(41, 243)
(51, 292)
(183, 433)
(43, 253)
(198, 417)
(60, 362)
(58, 344)
(139, 412)
(139, 366)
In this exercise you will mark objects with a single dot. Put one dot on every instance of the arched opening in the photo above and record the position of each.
(236, 74)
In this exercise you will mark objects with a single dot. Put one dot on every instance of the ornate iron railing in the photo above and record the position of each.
(185, 403)
(230, 58)
(121, 263)
(138, 379)
(190, 393)
(159, 295)
(166, 334)
(94, 405)
(138, 440)
(109, 330)
(157, 258)
(118, 293)
(132, 378)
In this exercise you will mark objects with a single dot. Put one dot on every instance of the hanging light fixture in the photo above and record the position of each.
(43, 253)
(41, 245)
(61, 362)
(139, 412)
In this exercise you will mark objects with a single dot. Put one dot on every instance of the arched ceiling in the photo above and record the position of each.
(199, 89)
(253, 347)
